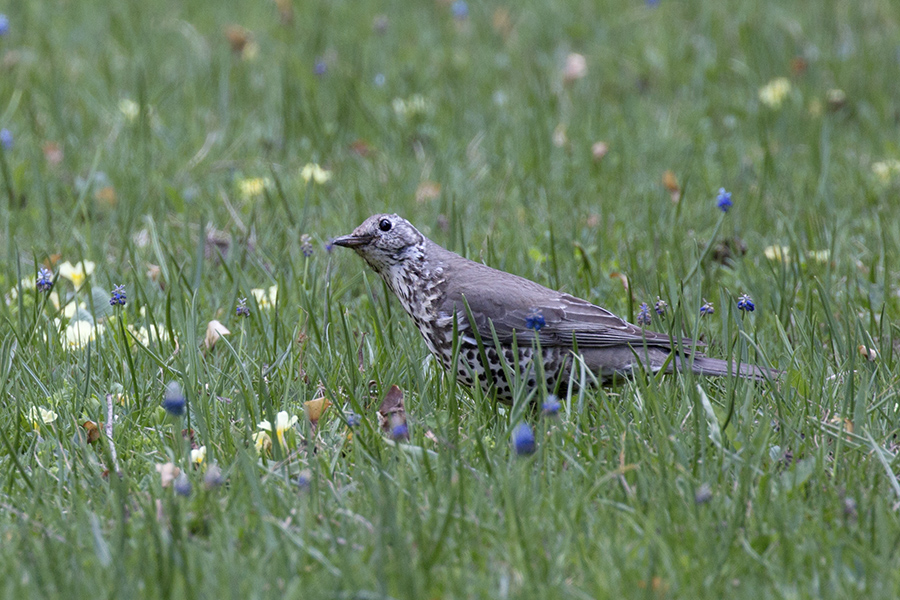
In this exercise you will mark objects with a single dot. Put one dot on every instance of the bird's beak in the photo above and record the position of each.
(352, 241)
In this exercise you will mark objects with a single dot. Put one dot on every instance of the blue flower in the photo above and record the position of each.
(643, 318)
(660, 306)
(118, 296)
(551, 406)
(400, 432)
(306, 246)
(353, 419)
(745, 302)
(321, 68)
(535, 319)
(4, 24)
(723, 200)
(460, 10)
(329, 246)
(173, 400)
(707, 309)
(6, 138)
(523, 439)
(183, 485)
(242, 309)
(379, 79)
(44, 281)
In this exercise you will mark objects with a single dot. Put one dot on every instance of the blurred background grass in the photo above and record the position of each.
(166, 142)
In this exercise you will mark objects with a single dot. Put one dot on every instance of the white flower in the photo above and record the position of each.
(130, 109)
(38, 415)
(76, 273)
(886, 170)
(79, 333)
(253, 187)
(283, 422)
(773, 93)
(261, 441)
(265, 299)
(576, 67)
(198, 455)
(316, 173)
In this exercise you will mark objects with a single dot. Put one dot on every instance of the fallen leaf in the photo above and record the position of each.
(391, 413)
(670, 182)
(316, 408)
(167, 473)
(92, 431)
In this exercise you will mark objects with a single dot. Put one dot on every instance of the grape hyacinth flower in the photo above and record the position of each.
(118, 296)
(707, 309)
(523, 439)
(4, 24)
(660, 306)
(306, 246)
(6, 138)
(745, 303)
(173, 400)
(535, 319)
(551, 406)
(44, 281)
(643, 317)
(723, 200)
(460, 10)
(242, 309)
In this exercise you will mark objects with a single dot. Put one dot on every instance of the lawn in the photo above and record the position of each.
(202, 154)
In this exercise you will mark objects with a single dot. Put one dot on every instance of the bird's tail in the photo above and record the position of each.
(704, 365)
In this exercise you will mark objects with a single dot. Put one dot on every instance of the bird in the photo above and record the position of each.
(506, 324)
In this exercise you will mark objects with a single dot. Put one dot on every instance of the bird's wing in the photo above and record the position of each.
(522, 308)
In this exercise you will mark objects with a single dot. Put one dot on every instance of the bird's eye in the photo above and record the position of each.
(384, 225)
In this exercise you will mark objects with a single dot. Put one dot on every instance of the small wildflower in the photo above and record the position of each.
(283, 422)
(302, 479)
(329, 246)
(321, 68)
(213, 477)
(253, 187)
(723, 200)
(173, 399)
(306, 246)
(643, 318)
(262, 442)
(774, 92)
(778, 253)
(183, 485)
(886, 170)
(660, 306)
(130, 109)
(44, 281)
(353, 419)
(38, 415)
(6, 138)
(400, 432)
(460, 10)
(76, 273)
(707, 309)
(576, 67)
(551, 406)
(80, 333)
(523, 439)
(745, 303)
(118, 296)
(379, 79)
(704, 494)
(4, 25)
(198, 455)
(312, 171)
(535, 319)
(265, 298)
(242, 310)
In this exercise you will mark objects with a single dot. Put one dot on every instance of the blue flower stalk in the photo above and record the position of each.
(44, 282)
(523, 439)
(745, 303)
(643, 317)
(535, 319)
(118, 297)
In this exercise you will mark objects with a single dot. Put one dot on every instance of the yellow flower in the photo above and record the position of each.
(262, 442)
(76, 273)
(773, 93)
(283, 422)
(264, 298)
(198, 455)
(79, 333)
(253, 187)
(821, 256)
(316, 173)
(38, 415)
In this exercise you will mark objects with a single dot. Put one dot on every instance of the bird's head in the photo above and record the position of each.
(384, 241)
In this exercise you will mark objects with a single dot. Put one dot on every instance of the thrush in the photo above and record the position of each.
(515, 322)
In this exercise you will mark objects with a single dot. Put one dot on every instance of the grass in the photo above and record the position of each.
(137, 127)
